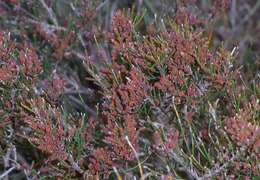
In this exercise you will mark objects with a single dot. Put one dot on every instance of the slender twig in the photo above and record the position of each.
(47, 26)
(85, 106)
(79, 56)
(79, 34)
(75, 92)
(6, 159)
(215, 171)
(75, 165)
(190, 172)
(50, 12)
(117, 174)
(5, 5)
(161, 113)
(136, 156)
(233, 12)
(251, 13)
(101, 5)
(11, 159)
(7, 172)
(82, 42)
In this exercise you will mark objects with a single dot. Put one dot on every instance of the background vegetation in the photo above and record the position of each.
(122, 89)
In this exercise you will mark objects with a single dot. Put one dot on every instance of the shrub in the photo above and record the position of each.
(172, 105)
(169, 100)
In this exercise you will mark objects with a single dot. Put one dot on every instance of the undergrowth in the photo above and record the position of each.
(161, 101)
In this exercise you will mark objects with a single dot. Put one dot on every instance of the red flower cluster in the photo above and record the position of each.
(8, 66)
(120, 118)
(54, 87)
(243, 132)
(50, 137)
(27, 64)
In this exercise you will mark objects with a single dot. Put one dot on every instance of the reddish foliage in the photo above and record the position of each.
(90, 130)
(28, 63)
(13, 2)
(152, 82)
(243, 132)
(173, 60)
(49, 139)
(183, 17)
(54, 88)
(120, 120)
(102, 160)
(8, 67)
(121, 35)
(115, 136)
(31, 65)
(6, 73)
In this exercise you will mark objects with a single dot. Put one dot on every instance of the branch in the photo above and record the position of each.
(251, 13)
(84, 105)
(50, 12)
(47, 26)
(189, 171)
(7, 172)
(101, 5)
